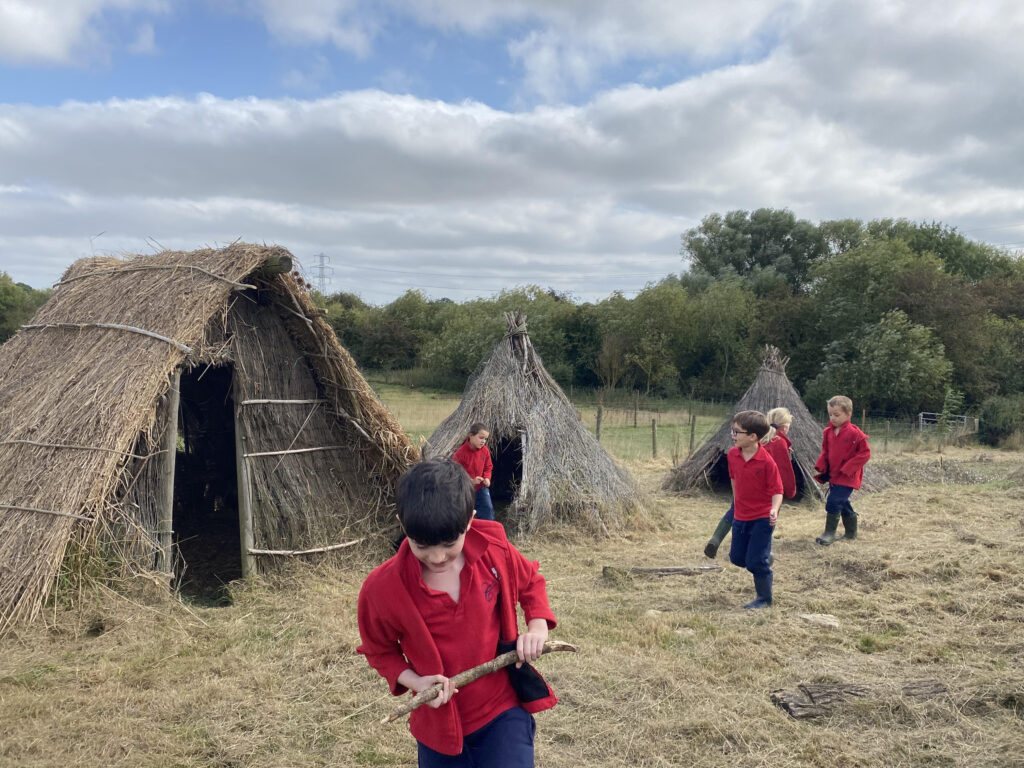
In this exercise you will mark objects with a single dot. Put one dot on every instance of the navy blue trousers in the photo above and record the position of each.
(751, 545)
(482, 504)
(505, 742)
(838, 501)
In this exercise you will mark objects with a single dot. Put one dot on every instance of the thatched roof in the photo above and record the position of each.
(560, 470)
(82, 383)
(771, 389)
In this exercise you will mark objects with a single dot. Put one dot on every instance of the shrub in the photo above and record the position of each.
(1001, 416)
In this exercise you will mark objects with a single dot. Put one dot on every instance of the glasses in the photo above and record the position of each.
(738, 432)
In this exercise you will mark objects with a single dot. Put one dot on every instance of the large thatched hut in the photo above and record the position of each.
(185, 413)
(547, 466)
(771, 388)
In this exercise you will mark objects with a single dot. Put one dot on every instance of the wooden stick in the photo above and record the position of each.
(115, 326)
(46, 512)
(667, 570)
(292, 552)
(469, 675)
(281, 402)
(295, 450)
(80, 448)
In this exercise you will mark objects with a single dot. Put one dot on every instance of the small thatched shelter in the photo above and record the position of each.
(185, 413)
(547, 466)
(772, 388)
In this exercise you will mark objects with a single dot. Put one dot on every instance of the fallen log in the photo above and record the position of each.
(665, 570)
(469, 675)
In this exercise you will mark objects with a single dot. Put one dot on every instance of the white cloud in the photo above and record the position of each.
(61, 31)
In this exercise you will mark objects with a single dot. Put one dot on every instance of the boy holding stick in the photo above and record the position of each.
(446, 602)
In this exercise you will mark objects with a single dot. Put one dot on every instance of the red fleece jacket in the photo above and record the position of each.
(476, 462)
(843, 456)
(778, 449)
(395, 636)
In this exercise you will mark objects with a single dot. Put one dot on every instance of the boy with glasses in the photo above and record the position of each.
(757, 496)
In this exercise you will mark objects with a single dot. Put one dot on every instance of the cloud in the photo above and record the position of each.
(64, 32)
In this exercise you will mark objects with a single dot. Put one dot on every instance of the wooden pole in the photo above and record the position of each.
(654, 438)
(885, 445)
(245, 534)
(469, 675)
(693, 431)
(165, 518)
(600, 414)
(636, 408)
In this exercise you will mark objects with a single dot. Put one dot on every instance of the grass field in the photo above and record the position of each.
(671, 671)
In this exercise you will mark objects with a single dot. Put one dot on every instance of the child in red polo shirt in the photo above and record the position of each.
(757, 496)
(844, 452)
(442, 605)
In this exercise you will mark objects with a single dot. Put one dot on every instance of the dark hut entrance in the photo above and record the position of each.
(507, 473)
(206, 522)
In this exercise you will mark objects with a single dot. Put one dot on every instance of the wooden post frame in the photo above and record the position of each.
(165, 515)
(245, 532)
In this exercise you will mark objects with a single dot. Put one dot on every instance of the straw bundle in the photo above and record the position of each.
(558, 469)
(771, 389)
(83, 387)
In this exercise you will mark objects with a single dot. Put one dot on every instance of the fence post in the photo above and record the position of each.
(654, 438)
(600, 413)
(885, 445)
(693, 430)
(636, 407)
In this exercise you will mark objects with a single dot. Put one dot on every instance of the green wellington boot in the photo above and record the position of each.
(711, 548)
(850, 526)
(831, 523)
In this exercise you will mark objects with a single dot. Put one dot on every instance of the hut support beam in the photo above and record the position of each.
(165, 521)
(247, 540)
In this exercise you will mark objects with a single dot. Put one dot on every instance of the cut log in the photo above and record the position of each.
(811, 700)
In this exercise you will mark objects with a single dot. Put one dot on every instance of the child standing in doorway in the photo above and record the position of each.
(475, 458)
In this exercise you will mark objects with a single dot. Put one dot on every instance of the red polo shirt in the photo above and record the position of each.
(754, 483)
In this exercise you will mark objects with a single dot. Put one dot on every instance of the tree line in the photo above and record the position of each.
(901, 316)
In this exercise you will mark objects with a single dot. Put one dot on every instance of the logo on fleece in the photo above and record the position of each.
(491, 587)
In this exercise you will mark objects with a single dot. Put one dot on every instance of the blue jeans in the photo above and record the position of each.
(752, 545)
(482, 504)
(505, 742)
(838, 501)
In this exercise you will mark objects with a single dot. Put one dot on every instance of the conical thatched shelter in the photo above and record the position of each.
(547, 466)
(184, 412)
(771, 389)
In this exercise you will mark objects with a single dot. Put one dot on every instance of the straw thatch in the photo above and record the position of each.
(771, 389)
(86, 414)
(547, 466)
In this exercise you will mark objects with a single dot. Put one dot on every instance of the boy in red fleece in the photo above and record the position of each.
(757, 496)
(844, 452)
(443, 604)
(475, 458)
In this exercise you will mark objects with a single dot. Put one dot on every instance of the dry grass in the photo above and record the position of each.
(672, 672)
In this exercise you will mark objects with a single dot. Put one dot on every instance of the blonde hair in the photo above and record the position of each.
(777, 417)
(842, 402)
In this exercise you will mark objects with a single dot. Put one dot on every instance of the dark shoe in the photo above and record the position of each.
(757, 604)
(711, 548)
(763, 587)
(831, 523)
(850, 526)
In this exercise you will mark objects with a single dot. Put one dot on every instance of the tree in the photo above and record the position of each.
(18, 302)
(893, 364)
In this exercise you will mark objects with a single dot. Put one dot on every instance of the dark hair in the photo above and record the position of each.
(435, 502)
(752, 421)
(476, 426)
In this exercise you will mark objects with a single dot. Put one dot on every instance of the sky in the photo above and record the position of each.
(463, 147)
